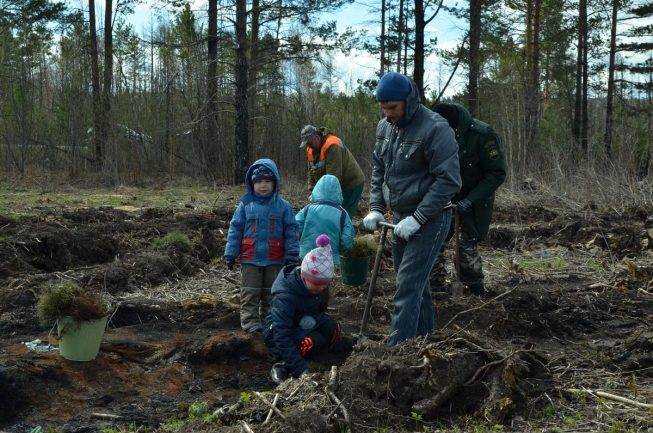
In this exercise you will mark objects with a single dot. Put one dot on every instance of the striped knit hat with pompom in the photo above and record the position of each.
(317, 265)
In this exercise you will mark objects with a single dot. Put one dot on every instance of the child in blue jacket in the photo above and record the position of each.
(297, 326)
(263, 233)
(325, 214)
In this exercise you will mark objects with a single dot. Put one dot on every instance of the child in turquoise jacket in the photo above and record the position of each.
(325, 214)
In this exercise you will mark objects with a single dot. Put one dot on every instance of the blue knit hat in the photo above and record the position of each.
(393, 86)
(262, 173)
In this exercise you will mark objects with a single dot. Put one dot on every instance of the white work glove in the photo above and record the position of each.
(407, 227)
(372, 220)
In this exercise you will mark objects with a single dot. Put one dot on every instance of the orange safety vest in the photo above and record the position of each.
(328, 142)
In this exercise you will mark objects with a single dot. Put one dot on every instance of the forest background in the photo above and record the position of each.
(207, 87)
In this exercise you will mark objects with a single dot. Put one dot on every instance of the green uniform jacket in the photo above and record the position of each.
(482, 170)
(339, 162)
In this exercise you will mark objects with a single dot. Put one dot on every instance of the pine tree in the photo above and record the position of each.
(641, 79)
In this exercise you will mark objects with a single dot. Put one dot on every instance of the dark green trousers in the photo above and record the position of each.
(351, 198)
(471, 263)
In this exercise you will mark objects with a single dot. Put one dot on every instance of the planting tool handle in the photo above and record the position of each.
(457, 241)
(386, 225)
(375, 273)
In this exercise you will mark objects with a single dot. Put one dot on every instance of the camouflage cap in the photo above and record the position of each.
(307, 132)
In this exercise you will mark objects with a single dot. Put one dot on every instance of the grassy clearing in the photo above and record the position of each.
(19, 202)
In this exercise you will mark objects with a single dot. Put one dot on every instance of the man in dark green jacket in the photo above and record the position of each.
(482, 170)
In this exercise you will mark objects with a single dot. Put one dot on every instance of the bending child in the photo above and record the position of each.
(297, 325)
(325, 214)
(263, 233)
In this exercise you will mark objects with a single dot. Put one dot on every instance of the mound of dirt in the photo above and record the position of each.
(51, 248)
(622, 236)
(440, 377)
(208, 246)
(635, 353)
(10, 262)
(523, 215)
(95, 215)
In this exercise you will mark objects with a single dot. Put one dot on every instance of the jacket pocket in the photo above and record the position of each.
(275, 228)
(247, 249)
(384, 143)
(409, 147)
(275, 250)
(410, 159)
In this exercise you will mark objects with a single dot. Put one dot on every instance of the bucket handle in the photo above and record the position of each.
(56, 337)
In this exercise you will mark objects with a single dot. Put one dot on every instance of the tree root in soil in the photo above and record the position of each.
(442, 376)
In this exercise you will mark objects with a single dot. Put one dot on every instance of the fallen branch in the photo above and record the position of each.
(108, 416)
(479, 307)
(601, 285)
(645, 293)
(292, 394)
(612, 397)
(227, 409)
(270, 405)
(333, 376)
(246, 427)
(432, 403)
(339, 404)
(274, 404)
(231, 280)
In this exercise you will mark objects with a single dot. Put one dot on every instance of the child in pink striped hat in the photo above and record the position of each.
(297, 326)
(317, 265)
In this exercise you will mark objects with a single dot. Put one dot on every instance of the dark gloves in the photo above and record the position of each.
(464, 206)
(230, 263)
(294, 261)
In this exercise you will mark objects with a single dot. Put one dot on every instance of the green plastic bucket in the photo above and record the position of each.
(80, 341)
(354, 270)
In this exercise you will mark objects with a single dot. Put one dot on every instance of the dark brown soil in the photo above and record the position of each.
(174, 335)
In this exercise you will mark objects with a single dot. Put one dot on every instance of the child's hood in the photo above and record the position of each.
(327, 188)
(267, 163)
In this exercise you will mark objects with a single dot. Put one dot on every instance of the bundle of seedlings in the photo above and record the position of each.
(364, 246)
(68, 299)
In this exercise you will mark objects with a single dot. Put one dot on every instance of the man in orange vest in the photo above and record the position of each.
(327, 154)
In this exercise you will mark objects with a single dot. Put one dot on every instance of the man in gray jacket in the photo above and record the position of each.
(415, 173)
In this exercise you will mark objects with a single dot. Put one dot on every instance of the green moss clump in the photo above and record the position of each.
(364, 246)
(175, 239)
(68, 299)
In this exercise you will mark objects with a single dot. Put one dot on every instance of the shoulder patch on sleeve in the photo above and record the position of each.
(492, 150)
